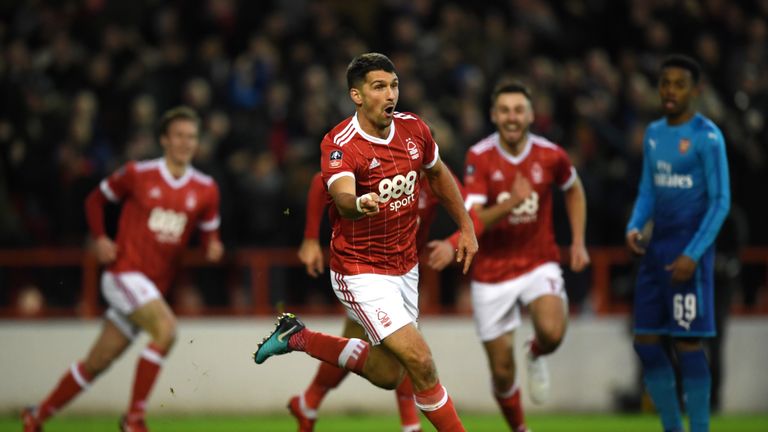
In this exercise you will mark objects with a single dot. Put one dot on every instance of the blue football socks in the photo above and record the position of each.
(659, 380)
(697, 384)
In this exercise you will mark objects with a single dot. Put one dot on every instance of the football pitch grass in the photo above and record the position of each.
(383, 423)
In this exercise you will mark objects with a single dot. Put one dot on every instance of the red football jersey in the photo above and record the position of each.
(428, 203)
(318, 197)
(384, 243)
(158, 215)
(525, 238)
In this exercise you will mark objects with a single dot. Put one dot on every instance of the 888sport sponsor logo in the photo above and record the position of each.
(168, 225)
(399, 190)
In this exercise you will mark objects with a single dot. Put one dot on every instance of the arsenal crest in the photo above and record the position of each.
(685, 144)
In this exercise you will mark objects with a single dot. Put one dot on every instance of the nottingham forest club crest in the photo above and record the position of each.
(191, 201)
(537, 173)
(413, 150)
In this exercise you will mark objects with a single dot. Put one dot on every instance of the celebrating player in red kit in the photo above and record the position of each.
(163, 200)
(509, 179)
(304, 406)
(371, 164)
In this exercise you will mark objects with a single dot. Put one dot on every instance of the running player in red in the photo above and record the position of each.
(509, 179)
(163, 201)
(305, 405)
(371, 164)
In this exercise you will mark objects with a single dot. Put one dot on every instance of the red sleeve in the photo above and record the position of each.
(120, 184)
(316, 199)
(475, 184)
(94, 212)
(478, 224)
(336, 160)
(113, 188)
(431, 151)
(210, 220)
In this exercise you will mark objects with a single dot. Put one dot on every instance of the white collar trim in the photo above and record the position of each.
(509, 156)
(172, 181)
(371, 138)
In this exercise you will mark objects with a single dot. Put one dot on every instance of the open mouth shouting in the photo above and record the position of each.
(669, 104)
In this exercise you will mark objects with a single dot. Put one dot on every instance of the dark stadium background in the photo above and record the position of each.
(82, 83)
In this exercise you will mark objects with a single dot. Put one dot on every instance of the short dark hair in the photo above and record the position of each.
(181, 112)
(360, 66)
(510, 87)
(684, 62)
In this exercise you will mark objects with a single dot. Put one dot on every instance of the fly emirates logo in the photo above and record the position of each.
(664, 177)
(399, 190)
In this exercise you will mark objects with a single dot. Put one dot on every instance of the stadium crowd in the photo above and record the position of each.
(82, 84)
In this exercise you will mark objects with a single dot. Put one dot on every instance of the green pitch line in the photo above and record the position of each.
(376, 423)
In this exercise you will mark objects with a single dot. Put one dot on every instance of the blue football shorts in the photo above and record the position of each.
(676, 309)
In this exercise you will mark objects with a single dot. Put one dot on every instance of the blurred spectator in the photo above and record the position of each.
(81, 83)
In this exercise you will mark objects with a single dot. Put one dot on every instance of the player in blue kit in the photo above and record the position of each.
(685, 191)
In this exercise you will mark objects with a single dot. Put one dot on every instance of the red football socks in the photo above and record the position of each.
(349, 354)
(150, 362)
(535, 348)
(71, 384)
(510, 405)
(327, 378)
(409, 416)
(438, 407)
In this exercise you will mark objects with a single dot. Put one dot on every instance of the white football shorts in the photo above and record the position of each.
(125, 292)
(496, 306)
(381, 304)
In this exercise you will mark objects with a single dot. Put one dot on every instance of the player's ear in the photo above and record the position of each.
(163, 141)
(355, 95)
(698, 87)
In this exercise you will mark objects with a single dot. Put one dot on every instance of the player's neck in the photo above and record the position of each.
(515, 148)
(177, 170)
(371, 129)
(678, 119)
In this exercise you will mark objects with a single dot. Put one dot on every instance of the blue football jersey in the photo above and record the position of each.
(684, 185)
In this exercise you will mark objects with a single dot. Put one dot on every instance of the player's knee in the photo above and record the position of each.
(421, 366)
(97, 363)
(550, 337)
(165, 334)
(503, 378)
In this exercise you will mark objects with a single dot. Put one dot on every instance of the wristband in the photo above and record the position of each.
(357, 204)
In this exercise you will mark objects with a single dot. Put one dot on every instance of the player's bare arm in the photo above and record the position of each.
(105, 249)
(444, 187)
(349, 204)
(576, 206)
(634, 237)
(441, 254)
(311, 255)
(214, 251)
(682, 269)
(519, 190)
